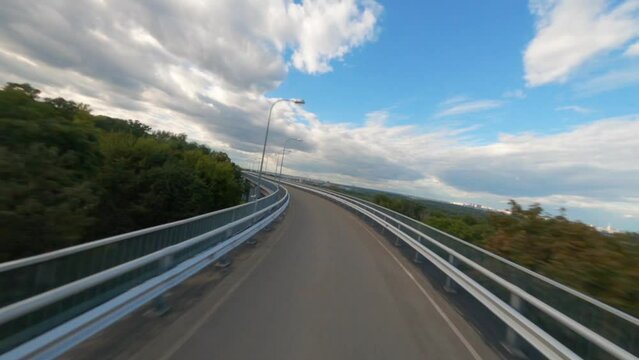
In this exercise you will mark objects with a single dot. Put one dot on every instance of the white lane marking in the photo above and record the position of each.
(187, 336)
(461, 337)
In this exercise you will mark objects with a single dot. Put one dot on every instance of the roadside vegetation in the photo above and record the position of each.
(605, 266)
(68, 177)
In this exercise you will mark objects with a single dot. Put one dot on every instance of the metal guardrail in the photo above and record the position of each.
(501, 286)
(53, 301)
(612, 323)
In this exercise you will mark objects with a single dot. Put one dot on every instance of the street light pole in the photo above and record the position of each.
(279, 179)
(268, 124)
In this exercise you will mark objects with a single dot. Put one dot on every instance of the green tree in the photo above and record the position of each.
(67, 176)
(47, 161)
(604, 266)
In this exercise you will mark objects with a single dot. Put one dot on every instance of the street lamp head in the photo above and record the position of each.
(298, 101)
(268, 123)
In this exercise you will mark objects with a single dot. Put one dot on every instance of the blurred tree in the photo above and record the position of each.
(570, 252)
(605, 266)
(47, 161)
(67, 176)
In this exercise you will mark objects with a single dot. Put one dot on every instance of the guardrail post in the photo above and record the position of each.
(398, 243)
(417, 258)
(160, 305)
(269, 226)
(511, 342)
(449, 286)
(224, 262)
(384, 226)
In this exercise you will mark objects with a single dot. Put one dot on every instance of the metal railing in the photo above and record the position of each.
(555, 319)
(43, 293)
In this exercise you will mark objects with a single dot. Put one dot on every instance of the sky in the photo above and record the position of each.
(465, 101)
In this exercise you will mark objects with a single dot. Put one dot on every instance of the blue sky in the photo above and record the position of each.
(428, 52)
(466, 101)
(420, 58)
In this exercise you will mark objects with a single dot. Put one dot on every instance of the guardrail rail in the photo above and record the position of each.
(51, 302)
(559, 322)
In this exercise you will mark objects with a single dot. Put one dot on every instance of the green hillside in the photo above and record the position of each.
(67, 176)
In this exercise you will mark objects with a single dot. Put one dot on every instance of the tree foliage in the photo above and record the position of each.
(401, 205)
(604, 266)
(68, 177)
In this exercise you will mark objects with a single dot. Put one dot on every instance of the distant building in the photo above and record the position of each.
(480, 207)
(608, 230)
(605, 230)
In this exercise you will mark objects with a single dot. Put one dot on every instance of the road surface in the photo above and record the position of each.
(329, 288)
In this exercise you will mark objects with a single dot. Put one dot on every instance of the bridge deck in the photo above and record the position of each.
(329, 288)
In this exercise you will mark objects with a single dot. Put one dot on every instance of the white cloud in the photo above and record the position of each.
(575, 108)
(571, 32)
(240, 43)
(459, 106)
(326, 30)
(515, 94)
(591, 166)
(179, 65)
(377, 118)
(593, 160)
(454, 100)
(204, 68)
(611, 80)
(633, 50)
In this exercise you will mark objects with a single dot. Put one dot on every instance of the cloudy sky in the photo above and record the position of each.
(475, 101)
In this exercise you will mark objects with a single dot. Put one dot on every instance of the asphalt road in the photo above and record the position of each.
(330, 288)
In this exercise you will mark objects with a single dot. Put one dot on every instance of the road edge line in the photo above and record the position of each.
(439, 310)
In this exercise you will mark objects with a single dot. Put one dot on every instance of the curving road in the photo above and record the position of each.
(328, 288)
